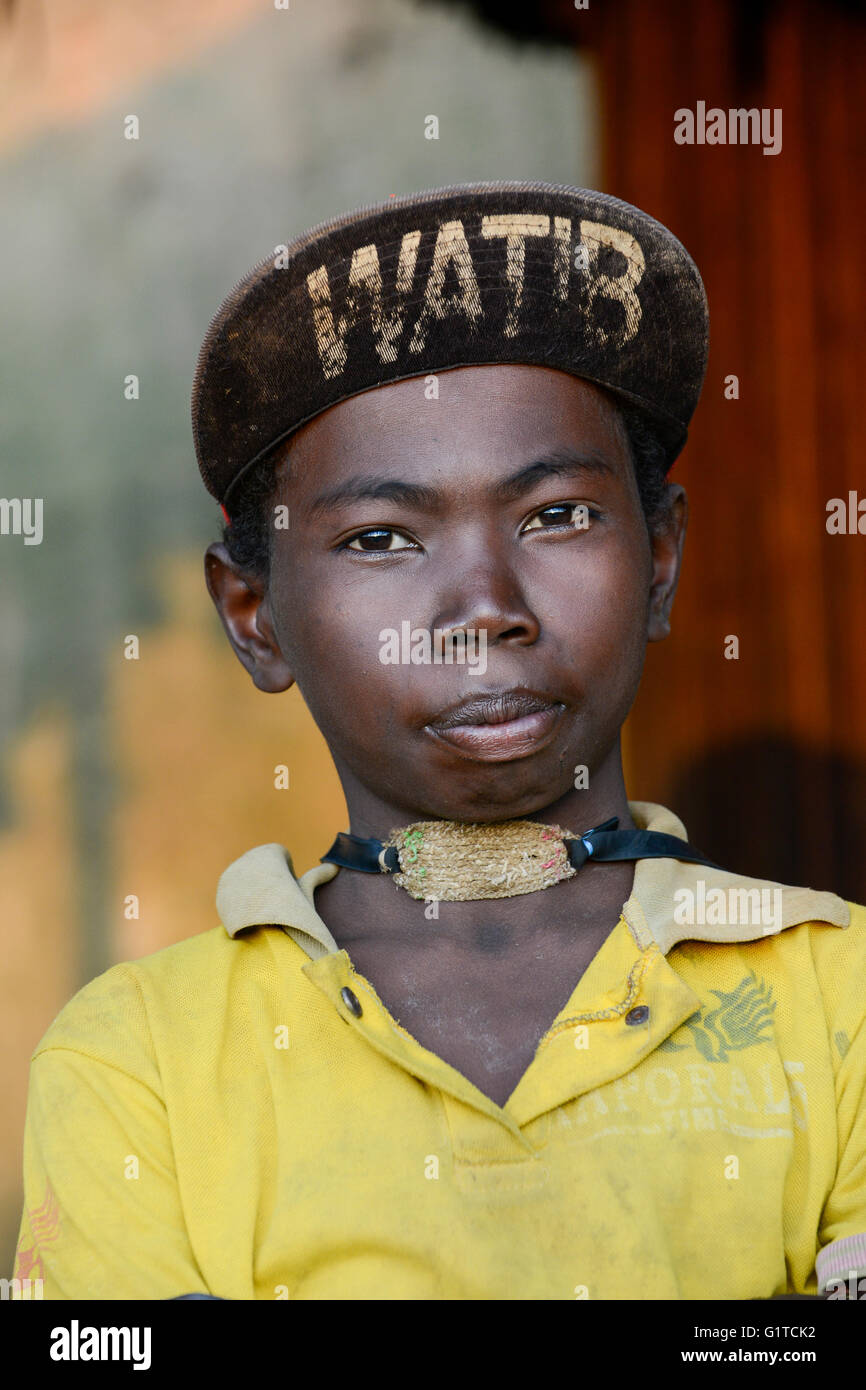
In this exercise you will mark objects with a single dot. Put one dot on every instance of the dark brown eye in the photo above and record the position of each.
(574, 514)
(377, 538)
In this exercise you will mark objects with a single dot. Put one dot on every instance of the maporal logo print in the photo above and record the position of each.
(744, 1018)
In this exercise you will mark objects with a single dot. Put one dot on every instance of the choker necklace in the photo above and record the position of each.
(459, 861)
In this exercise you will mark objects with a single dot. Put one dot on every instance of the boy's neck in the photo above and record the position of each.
(366, 907)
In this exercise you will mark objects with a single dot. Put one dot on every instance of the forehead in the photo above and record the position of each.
(500, 410)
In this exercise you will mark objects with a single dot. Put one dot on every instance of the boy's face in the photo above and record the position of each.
(509, 507)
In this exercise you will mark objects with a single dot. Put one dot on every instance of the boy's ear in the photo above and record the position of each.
(241, 599)
(666, 540)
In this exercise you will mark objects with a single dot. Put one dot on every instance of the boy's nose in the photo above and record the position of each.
(489, 599)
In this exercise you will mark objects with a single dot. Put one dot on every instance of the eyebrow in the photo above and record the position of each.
(559, 463)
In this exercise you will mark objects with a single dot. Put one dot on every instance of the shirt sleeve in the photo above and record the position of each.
(842, 1232)
(103, 1217)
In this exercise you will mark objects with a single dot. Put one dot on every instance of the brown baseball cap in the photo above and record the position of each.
(472, 274)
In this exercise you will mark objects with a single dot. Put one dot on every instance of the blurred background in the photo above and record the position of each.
(148, 777)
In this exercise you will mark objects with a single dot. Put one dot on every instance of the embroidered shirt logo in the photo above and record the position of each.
(44, 1223)
(743, 1018)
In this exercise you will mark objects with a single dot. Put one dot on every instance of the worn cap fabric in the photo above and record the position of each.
(471, 274)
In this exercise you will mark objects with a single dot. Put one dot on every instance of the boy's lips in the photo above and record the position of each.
(500, 725)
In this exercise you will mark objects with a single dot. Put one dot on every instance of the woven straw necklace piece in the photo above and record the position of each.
(454, 861)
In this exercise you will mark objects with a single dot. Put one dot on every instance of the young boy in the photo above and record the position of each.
(514, 1038)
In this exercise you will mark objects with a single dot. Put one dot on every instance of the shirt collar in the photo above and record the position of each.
(665, 889)
(261, 889)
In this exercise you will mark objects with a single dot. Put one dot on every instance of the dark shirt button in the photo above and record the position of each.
(351, 1002)
(638, 1015)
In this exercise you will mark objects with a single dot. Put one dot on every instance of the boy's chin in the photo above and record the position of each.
(488, 804)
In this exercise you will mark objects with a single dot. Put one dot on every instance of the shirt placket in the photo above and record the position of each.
(626, 1005)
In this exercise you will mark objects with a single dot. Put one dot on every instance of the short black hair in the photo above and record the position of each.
(248, 537)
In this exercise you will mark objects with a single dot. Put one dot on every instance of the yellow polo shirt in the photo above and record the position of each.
(215, 1118)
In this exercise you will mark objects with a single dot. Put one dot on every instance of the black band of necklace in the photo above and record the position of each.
(604, 843)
